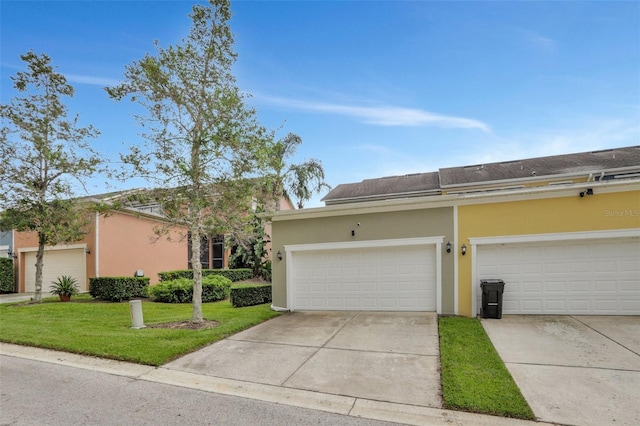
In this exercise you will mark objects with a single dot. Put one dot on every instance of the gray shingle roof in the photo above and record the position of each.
(421, 184)
(584, 162)
(387, 187)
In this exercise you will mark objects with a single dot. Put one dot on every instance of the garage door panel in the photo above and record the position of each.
(550, 305)
(55, 264)
(630, 307)
(554, 287)
(576, 277)
(605, 287)
(384, 278)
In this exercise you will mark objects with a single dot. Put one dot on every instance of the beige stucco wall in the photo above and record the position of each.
(122, 243)
(373, 226)
(28, 241)
(128, 243)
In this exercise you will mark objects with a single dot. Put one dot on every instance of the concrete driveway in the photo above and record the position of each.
(392, 357)
(574, 370)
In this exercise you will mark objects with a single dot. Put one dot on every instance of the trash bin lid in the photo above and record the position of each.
(492, 281)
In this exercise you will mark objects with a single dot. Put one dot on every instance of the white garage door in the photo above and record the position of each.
(570, 277)
(56, 263)
(379, 279)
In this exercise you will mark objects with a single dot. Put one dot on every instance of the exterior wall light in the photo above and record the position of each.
(448, 246)
(11, 254)
(589, 191)
(279, 254)
(87, 251)
(464, 249)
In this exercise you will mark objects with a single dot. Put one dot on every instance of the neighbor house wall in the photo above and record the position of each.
(372, 226)
(129, 242)
(607, 209)
(25, 242)
(118, 244)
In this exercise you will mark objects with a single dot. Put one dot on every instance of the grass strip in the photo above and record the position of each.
(102, 329)
(474, 378)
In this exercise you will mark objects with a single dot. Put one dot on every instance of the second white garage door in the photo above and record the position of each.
(593, 277)
(56, 263)
(374, 278)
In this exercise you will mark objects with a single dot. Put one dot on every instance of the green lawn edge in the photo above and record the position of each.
(103, 329)
(474, 378)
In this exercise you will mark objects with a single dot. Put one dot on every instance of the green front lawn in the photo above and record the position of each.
(474, 378)
(101, 329)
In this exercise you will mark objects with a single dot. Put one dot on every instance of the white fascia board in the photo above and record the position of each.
(562, 236)
(439, 201)
(378, 197)
(289, 248)
(54, 248)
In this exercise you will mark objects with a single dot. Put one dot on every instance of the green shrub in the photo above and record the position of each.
(214, 288)
(250, 295)
(232, 274)
(174, 291)
(6, 275)
(117, 289)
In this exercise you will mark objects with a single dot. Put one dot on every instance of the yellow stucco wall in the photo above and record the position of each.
(601, 211)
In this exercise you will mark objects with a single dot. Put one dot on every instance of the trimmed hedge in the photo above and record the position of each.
(6, 275)
(232, 274)
(214, 288)
(117, 289)
(250, 295)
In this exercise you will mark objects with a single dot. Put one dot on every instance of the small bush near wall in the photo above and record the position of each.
(250, 295)
(117, 289)
(6, 275)
(233, 274)
(214, 288)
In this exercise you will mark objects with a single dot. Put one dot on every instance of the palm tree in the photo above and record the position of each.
(298, 180)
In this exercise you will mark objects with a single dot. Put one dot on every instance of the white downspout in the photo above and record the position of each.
(96, 247)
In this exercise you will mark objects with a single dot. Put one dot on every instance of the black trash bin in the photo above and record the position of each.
(492, 298)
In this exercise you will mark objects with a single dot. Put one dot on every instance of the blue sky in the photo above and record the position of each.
(373, 88)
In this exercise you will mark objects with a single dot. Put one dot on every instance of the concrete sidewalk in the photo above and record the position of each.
(17, 297)
(574, 370)
(359, 407)
(376, 365)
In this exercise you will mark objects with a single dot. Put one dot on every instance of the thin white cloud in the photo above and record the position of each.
(382, 115)
(89, 79)
(600, 134)
(538, 40)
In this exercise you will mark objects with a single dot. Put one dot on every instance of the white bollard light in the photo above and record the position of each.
(137, 321)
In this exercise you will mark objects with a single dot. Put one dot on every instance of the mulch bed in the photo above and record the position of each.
(186, 325)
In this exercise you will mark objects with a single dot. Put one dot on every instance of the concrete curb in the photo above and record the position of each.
(357, 407)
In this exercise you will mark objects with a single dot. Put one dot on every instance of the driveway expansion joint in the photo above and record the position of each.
(604, 335)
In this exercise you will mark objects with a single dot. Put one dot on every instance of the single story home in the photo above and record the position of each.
(120, 243)
(562, 232)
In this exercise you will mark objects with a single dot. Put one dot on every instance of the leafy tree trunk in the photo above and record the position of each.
(39, 267)
(196, 265)
(41, 153)
(203, 140)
